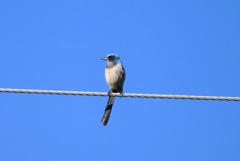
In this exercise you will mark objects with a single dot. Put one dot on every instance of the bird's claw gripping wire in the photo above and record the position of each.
(121, 93)
(110, 94)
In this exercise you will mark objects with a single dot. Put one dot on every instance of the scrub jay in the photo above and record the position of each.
(115, 76)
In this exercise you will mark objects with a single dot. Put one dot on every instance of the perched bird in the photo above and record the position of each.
(115, 76)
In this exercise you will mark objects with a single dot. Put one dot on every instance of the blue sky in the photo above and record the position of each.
(167, 47)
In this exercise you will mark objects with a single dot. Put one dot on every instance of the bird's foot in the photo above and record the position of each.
(110, 94)
(121, 93)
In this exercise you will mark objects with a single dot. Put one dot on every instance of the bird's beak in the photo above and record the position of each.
(104, 58)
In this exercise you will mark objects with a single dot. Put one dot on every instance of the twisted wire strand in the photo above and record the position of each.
(133, 95)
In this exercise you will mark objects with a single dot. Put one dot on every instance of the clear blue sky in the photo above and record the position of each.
(167, 47)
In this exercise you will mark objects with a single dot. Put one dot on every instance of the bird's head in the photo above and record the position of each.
(113, 58)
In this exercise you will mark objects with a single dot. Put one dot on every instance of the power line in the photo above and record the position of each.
(133, 95)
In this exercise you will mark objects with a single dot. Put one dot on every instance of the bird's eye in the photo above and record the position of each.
(110, 57)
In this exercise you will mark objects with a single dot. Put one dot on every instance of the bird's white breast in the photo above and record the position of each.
(113, 74)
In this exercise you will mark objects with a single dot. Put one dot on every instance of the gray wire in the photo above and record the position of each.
(133, 95)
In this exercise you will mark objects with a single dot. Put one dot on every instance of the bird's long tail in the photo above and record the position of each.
(108, 110)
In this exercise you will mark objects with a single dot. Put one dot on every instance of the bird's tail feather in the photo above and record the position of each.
(108, 110)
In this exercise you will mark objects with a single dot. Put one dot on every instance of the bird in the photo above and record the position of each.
(115, 77)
